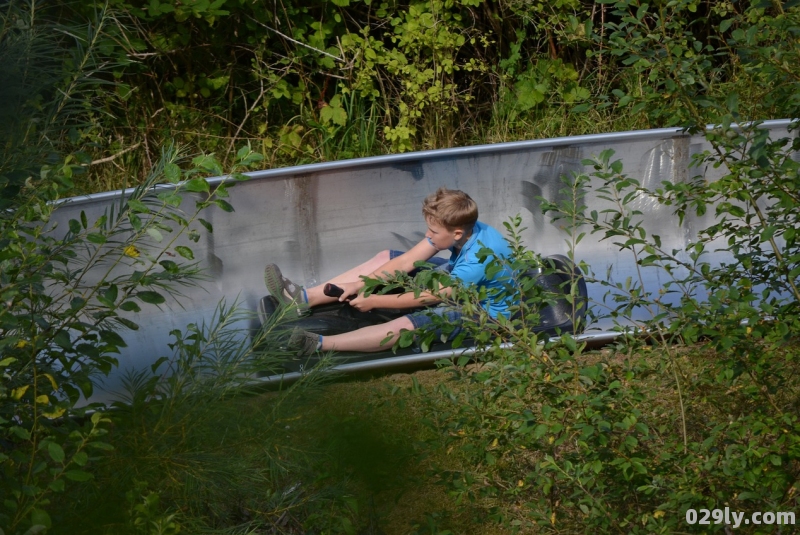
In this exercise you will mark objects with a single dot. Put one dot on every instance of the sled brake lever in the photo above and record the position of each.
(331, 290)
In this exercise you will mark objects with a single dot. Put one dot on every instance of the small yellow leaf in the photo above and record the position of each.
(17, 393)
(520, 483)
(52, 381)
(21, 344)
(494, 443)
(131, 251)
(553, 518)
(55, 413)
(658, 514)
(43, 399)
(552, 439)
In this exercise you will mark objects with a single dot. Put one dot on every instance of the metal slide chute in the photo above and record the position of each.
(318, 220)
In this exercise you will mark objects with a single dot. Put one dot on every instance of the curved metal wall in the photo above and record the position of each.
(318, 220)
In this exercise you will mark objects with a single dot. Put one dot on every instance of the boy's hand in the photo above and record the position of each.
(350, 289)
(362, 304)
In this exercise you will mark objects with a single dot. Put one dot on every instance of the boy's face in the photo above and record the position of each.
(441, 237)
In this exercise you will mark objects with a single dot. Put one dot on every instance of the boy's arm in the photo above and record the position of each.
(405, 263)
(398, 301)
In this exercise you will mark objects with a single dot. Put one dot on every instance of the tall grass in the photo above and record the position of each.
(195, 447)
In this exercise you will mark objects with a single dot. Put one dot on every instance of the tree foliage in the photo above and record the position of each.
(89, 87)
(322, 80)
(590, 443)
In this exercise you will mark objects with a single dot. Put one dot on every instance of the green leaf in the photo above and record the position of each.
(333, 114)
(19, 432)
(170, 198)
(101, 446)
(80, 458)
(736, 211)
(222, 191)
(136, 221)
(78, 475)
(62, 340)
(74, 226)
(206, 224)
(170, 266)
(111, 293)
(172, 173)
(39, 517)
(96, 238)
(185, 252)
(209, 163)
(138, 206)
(130, 306)
(112, 338)
(253, 157)
(128, 323)
(155, 234)
(243, 152)
(199, 185)
(224, 205)
(149, 296)
(56, 452)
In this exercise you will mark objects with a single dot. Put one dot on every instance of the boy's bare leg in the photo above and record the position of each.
(317, 297)
(368, 339)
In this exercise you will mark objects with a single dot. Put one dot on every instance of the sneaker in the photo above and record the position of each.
(303, 342)
(285, 291)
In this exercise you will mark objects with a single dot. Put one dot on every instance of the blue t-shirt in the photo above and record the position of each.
(465, 266)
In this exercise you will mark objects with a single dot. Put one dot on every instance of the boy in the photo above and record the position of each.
(452, 219)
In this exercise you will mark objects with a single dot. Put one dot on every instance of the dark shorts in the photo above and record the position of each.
(422, 318)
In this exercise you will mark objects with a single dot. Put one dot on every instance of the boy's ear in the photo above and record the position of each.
(458, 234)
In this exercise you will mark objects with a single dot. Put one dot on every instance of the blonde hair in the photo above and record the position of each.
(451, 208)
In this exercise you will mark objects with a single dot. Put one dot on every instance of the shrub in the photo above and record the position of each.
(67, 294)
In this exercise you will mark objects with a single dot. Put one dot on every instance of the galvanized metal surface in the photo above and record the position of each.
(592, 341)
(318, 220)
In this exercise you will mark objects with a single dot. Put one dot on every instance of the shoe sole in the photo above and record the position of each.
(273, 279)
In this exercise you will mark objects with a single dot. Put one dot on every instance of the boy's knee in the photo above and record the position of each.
(403, 323)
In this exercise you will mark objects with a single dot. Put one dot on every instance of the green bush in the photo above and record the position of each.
(697, 410)
(67, 294)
